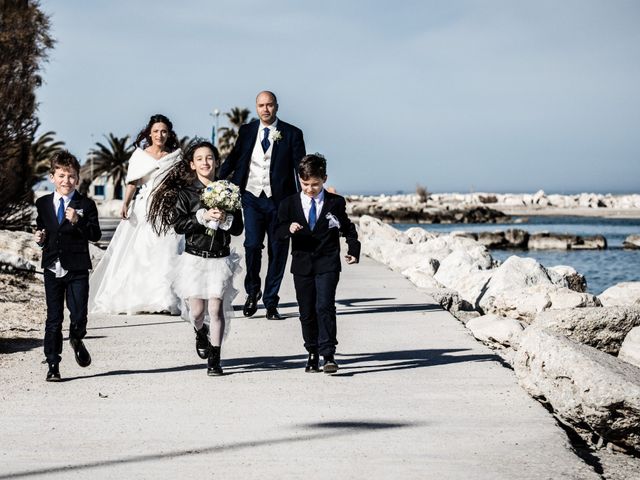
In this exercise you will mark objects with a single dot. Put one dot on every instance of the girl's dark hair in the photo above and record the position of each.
(143, 140)
(162, 209)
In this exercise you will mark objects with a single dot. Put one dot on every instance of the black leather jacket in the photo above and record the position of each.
(197, 241)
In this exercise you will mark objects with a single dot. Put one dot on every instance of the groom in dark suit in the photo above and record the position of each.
(264, 164)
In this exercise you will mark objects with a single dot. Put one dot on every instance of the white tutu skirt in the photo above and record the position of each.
(205, 278)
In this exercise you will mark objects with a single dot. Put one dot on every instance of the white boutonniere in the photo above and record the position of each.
(333, 221)
(275, 135)
(80, 212)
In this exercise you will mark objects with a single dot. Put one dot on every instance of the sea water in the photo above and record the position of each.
(602, 268)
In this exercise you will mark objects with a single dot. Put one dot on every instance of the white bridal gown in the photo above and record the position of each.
(135, 273)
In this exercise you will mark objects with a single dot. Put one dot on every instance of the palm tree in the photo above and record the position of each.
(111, 160)
(41, 151)
(227, 136)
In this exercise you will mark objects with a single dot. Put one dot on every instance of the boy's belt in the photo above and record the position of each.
(224, 252)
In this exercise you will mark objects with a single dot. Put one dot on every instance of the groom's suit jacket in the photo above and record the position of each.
(285, 158)
(69, 243)
(318, 250)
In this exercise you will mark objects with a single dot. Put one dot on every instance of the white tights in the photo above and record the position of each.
(216, 315)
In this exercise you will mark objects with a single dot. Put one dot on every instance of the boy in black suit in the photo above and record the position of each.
(66, 222)
(314, 220)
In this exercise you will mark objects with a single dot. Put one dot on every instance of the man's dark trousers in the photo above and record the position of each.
(75, 287)
(260, 218)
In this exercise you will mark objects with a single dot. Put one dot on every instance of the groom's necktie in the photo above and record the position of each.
(61, 210)
(265, 140)
(312, 214)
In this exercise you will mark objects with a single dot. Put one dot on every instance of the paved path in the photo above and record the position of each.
(416, 397)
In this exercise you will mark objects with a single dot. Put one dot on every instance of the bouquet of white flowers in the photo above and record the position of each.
(223, 195)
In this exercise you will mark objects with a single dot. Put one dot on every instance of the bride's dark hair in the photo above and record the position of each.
(162, 209)
(143, 140)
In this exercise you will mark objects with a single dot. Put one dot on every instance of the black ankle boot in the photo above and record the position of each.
(213, 364)
(202, 342)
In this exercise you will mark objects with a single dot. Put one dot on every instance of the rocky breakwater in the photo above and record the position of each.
(564, 344)
(22, 303)
(514, 238)
(543, 203)
(411, 209)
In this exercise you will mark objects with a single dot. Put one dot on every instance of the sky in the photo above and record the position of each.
(456, 95)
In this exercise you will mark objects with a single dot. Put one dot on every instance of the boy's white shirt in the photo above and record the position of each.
(306, 204)
(57, 266)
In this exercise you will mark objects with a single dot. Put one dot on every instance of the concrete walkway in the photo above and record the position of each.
(416, 397)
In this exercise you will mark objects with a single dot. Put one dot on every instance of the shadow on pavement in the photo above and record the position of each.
(337, 429)
(181, 368)
(20, 344)
(129, 325)
(359, 363)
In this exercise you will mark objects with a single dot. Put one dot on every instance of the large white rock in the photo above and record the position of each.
(563, 297)
(21, 244)
(630, 348)
(603, 328)
(625, 293)
(566, 276)
(419, 235)
(372, 228)
(496, 330)
(522, 303)
(584, 386)
(514, 274)
(421, 278)
(466, 271)
(16, 262)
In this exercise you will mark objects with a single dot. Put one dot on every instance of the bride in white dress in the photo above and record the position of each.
(134, 275)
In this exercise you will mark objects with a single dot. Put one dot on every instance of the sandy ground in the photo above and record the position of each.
(416, 397)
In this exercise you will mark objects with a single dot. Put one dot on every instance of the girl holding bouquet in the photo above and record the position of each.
(207, 213)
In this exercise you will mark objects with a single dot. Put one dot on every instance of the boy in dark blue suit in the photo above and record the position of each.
(314, 220)
(66, 222)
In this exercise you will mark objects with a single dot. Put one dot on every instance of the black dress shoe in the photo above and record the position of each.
(53, 375)
(202, 342)
(82, 355)
(330, 365)
(273, 314)
(251, 305)
(313, 363)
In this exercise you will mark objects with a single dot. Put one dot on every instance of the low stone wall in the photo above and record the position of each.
(561, 341)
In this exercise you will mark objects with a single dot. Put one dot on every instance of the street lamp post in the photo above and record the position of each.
(214, 133)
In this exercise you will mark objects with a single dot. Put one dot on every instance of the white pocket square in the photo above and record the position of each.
(333, 221)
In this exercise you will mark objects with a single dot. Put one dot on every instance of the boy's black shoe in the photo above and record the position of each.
(251, 304)
(330, 365)
(53, 375)
(273, 314)
(82, 355)
(313, 363)
(202, 342)
(213, 364)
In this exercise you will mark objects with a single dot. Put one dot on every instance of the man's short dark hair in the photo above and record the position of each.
(64, 159)
(314, 165)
